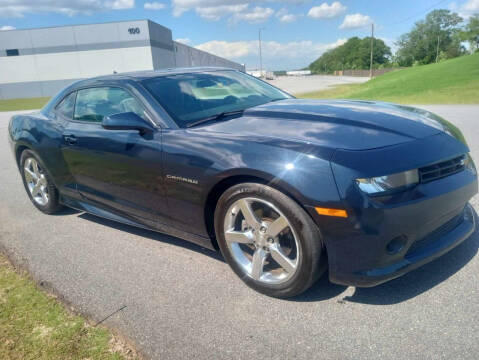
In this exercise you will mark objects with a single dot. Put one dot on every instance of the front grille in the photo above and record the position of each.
(442, 169)
(436, 234)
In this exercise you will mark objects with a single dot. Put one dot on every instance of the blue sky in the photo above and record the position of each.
(295, 32)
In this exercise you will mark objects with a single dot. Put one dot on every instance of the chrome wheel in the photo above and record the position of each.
(36, 181)
(261, 240)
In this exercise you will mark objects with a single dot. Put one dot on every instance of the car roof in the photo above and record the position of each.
(143, 75)
(148, 74)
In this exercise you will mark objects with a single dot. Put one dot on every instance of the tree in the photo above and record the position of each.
(471, 32)
(438, 34)
(353, 54)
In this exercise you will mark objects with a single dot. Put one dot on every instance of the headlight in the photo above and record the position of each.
(389, 183)
(469, 164)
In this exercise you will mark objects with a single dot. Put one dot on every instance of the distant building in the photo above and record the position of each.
(39, 62)
(269, 75)
(298, 73)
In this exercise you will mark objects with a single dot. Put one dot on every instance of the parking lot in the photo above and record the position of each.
(305, 84)
(178, 300)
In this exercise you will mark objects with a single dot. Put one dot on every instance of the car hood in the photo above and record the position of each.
(352, 125)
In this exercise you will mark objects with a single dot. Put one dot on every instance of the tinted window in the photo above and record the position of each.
(12, 52)
(96, 103)
(66, 106)
(191, 97)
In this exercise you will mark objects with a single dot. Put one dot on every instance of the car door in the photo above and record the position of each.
(119, 170)
(53, 158)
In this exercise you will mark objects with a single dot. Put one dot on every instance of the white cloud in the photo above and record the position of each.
(236, 12)
(356, 21)
(181, 6)
(19, 8)
(6, 27)
(154, 6)
(183, 40)
(120, 4)
(254, 16)
(276, 55)
(466, 10)
(325, 11)
(285, 17)
(217, 12)
(471, 5)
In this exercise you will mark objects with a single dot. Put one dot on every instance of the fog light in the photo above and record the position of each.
(396, 245)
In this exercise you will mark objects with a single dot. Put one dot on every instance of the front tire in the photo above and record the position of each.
(40, 189)
(269, 241)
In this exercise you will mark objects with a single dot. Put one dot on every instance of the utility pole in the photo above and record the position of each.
(437, 49)
(260, 54)
(372, 45)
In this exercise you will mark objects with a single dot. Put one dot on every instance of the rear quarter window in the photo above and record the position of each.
(66, 106)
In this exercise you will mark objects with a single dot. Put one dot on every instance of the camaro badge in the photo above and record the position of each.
(180, 178)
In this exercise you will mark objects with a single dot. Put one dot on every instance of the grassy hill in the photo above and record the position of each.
(23, 104)
(454, 81)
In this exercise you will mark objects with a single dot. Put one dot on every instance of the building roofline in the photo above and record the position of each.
(85, 24)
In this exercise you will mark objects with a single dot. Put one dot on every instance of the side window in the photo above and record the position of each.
(96, 103)
(65, 108)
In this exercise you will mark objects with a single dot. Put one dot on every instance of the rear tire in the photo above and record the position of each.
(40, 188)
(269, 241)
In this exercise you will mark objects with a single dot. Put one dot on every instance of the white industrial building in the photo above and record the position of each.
(298, 73)
(265, 74)
(39, 62)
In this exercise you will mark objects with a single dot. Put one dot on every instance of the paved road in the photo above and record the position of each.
(305, 84)
(183, 301)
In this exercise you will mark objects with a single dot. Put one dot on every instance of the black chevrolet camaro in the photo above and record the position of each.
(285, 188)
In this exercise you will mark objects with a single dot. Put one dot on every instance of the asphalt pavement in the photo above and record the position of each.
(305, 84)
(183, 301)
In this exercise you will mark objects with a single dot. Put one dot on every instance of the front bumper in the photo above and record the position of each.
(385, 238)
(435, 245)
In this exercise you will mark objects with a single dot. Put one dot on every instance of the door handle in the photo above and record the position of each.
(70, 139)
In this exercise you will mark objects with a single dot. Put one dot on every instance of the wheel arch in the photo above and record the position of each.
(18, 152)
(234, 179)
(20, 148)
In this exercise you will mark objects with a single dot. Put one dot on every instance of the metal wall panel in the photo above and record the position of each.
(51, 37)
(14, 39)
(182, 55)
(189, 56)
(33, 89)
(162, 59)
(160, 36)
(91, 34)
(125, 35)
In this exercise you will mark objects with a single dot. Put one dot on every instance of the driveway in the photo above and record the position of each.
(182, 301)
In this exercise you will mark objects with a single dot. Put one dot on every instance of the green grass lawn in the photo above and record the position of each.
(454, 81)
(34, 325)
(23, 104)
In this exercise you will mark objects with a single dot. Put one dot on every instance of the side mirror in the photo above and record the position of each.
(127, 121)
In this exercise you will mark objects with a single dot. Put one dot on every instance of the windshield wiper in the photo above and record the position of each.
(214, 117)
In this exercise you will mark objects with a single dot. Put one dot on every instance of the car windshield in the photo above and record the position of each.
(191, 97)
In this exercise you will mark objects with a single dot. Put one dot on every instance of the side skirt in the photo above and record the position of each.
(88, 207)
